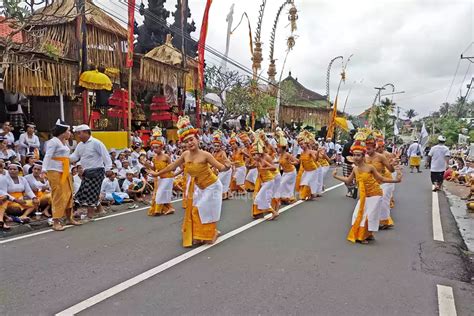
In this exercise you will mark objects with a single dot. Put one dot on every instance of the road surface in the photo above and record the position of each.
(300, 264)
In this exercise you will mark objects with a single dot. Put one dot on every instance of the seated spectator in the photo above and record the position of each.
(3, 196)
(40, 186)
(29, 142)
(450, 173)
(23, 200)
(133, 186)
(122, 172)
(29, 162)
(77, 172)
(6, 132)
(110, 189)
(5, 152)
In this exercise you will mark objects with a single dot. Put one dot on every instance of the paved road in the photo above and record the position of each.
(298, 265)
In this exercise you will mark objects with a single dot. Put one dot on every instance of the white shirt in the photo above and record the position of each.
(37, 185)
(118, 164)
(109, 186)
(413, 150)
(92, 154)
(8, 154)
(27, 142)
(3, 184)
(21, 186)
(76, 183)
(9, 136)
(438, 155)
(126, 184)
(55, 148)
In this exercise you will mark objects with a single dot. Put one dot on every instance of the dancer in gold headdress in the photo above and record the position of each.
(220, 155)
(238, 161)
(204, 193)
(286, 190)
(163, 188)
(252, 173)
(365, 219)
(308, 184)
(264, 186)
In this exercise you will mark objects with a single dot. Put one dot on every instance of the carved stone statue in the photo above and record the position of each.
(153, 31)
(190, 44)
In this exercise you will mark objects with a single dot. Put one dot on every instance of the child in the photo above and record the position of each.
(110, 189)
(134, 187)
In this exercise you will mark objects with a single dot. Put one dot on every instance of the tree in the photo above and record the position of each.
(410, 113)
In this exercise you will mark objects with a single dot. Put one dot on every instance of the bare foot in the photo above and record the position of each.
(73, 222)
(58, 227)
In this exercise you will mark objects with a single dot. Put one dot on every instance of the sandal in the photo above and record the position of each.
(58, 228)
(3, 226)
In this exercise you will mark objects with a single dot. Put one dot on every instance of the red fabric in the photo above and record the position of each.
(131, 37)
(201, 50)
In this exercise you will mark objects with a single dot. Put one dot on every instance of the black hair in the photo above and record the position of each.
(58, 130)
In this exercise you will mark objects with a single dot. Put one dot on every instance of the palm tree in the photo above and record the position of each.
(411, 113)
(444, 109)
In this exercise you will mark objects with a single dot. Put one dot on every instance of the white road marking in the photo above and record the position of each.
(68, 226)
(102, 296)
(446, 305)
(437, 228)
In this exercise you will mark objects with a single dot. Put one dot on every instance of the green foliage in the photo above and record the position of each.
(410, 113)
(15, 9)
(383, 118)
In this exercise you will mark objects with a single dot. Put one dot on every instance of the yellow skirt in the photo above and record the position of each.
(61, 194)
(415, 161)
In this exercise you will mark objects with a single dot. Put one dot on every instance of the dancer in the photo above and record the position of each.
(252, 173)
(287, 163)
(220, 155)
(203, 208)
(308, 184)
(56, 165)
(393, 160)
(163, 188)
(365, 219)
(238, 161)
(323, 163)
(264, 186)
(384, 168)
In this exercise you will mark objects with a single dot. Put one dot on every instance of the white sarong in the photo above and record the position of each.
(371, 213)
(164, 192)
(252, 175)
(276, 186)
(208, 202)
(310, 178)
(239, 175)
(388, 189)
(287, 185)
(322, 171)
(225, 177)
(263, 199)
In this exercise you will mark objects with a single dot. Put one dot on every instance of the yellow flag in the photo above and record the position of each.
(342, 123)
(332, 121)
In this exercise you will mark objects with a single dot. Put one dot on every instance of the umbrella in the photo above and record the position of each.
(95, 80)
(213, 99)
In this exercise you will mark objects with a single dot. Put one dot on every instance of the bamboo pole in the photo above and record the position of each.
(129, 127)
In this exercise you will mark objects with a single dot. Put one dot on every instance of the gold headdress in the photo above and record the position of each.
(185, 129)
(360, 141)
(157, 137)
(280, 137)
(217, 137)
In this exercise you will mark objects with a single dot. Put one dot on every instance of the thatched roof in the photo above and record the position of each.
(66, 11)
(305, 97)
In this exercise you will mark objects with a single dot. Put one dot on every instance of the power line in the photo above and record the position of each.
(452, 81)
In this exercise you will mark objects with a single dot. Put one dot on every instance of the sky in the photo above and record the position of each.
(413, 44)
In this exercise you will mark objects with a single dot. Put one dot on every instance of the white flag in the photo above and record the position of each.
(424, 133)
(395, 129)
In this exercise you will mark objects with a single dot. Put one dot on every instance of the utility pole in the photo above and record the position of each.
(470, 58)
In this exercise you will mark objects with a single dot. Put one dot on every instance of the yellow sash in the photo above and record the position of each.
(65, 173)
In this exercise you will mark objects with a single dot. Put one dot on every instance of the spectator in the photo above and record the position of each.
(29, 162)
(110, 189)
(29, 142)
(40, 186)
(6, 132)
(6, 153)
(133, 186)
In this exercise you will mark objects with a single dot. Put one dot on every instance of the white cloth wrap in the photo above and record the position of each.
(388, 189)
(322, 171)
(371, 213)
(164, 192)
(287, 185)
(239, 175)
(276, 186)
(208, 202)
(225, 177)
(252, 175)
(263, 199)
(310, 178)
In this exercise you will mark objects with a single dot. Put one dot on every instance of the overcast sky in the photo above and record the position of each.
(414, 44)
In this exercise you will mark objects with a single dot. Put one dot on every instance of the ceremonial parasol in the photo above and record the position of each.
(95, 80)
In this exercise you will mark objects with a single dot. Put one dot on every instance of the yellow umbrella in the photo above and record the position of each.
(95, 80)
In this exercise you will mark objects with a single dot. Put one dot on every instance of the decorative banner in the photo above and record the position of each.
(131, 37)
(202, 44)
(332, 121)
